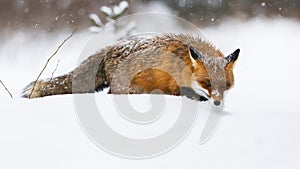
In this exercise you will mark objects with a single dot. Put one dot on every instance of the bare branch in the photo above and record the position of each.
(50, 59)
(6, 89)
(54, 70)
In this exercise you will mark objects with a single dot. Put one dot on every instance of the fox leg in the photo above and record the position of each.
(190, 93)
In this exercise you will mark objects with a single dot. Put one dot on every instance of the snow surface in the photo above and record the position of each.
(260, 128)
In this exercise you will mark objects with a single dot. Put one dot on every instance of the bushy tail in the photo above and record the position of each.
(48, 87)
(89, 77)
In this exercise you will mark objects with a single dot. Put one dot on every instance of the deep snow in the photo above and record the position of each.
(259, 128)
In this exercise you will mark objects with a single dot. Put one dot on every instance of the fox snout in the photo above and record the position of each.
(216, 97)
(216, 102)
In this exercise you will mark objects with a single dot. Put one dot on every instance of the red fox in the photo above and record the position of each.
(168, 63)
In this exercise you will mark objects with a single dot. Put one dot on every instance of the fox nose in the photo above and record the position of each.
(217, 103)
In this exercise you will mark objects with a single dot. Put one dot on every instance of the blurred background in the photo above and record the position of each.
(53, 15)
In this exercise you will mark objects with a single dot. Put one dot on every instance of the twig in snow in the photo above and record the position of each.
(50, 59)
(6, 89)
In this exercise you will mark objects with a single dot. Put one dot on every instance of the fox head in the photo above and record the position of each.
(212, 75)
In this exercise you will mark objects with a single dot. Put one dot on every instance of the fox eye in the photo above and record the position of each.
(207, 84)
(226, 86)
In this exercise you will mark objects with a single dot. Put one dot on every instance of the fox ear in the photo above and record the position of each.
(195, 54)
(233, 57)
